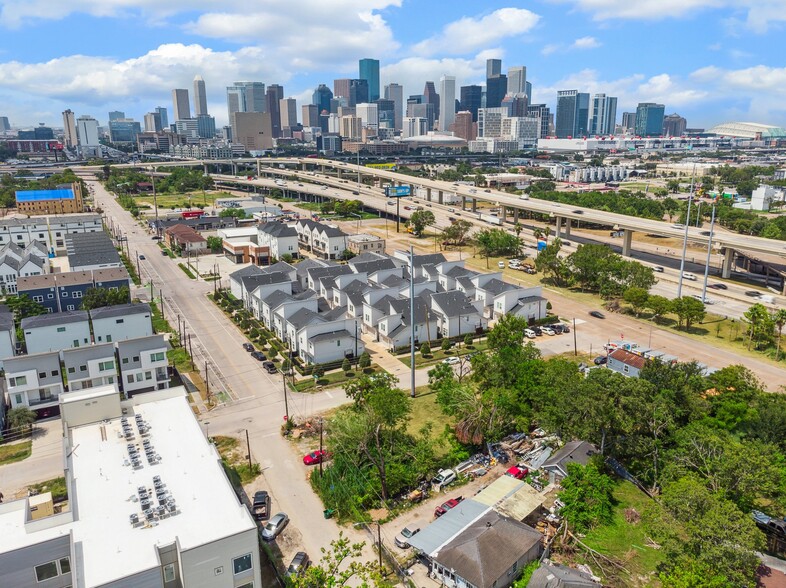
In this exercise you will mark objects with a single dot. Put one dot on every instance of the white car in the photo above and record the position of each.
(444, 478)
(501, 264)
(529, 334)
(547, 331)
(452, 360)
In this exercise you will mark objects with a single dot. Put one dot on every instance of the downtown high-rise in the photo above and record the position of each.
(572, 114)
(368, 69)
(649, 119)
(447, 102)
(603, 116)
(200, 96)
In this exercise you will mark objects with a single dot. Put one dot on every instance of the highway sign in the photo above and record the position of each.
(397, 191)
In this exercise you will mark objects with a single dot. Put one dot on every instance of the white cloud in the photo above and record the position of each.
(413, 72)
(586, 43)
(550, 48)
(760, 15)
(469, 34)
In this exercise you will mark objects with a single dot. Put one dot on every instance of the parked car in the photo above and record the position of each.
(517, 472)
(446, 506)
(258, 355)
(529, 333)
(248, 347)
(600, 360)
(299, 564)
(163, 252)
(274, 526)
(597, 314)
(452, 360)
(658, 268)
(558, 329)
(261, 505)
(501, 264)
(529, 269)
(443, 478)
(141, 257)
(157, 238)
(269, 367)
(566, 328)
(316, 457)
(402, 539)
(548, 331)
(538, 330)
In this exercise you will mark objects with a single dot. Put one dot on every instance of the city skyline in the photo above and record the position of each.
(577, 44)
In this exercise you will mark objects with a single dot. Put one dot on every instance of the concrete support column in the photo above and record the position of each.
(558, 228)
(259, 167)
(204, 169)
(503, 213)
(515, 216)
(463, 203)
(439, 197)
(338, 173)
(474, 205)
(728, 262)
(428, 194)
(567, 227)
(627, 238)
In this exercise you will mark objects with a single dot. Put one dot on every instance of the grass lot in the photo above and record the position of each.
(623, 540)
(189, 200)
(56, 486)
(437, 355)
(331, 379)
(13, 452)
(233, 456)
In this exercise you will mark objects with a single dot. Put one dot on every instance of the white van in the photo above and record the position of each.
(529, 333)
(689, 276)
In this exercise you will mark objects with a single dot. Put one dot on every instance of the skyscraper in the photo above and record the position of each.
(517, 80)
(152, 122)
(629, 121)
(603, 117)
(572, 114)
(87, 130)
(180, 102)
(200, 96)
(418, 107)
(341, 87)
(70, 137)
(252, 130)
(368, 114)
(288, 108)
(464, 126)
(310, 114)
(674, 125)
(274, 95)
(162, 113)
(322, 97)
(4, 124)
(246, 97)
(369, 71)
(395, 92)
(117, 115)
(493, 68)
(649, 119)
(543, 114)
(496, 88)
(206, 126)
(447, 102)
(355, 91)
(528, 91)
(430, 92)
(386, 113)
(516, 104)
(470, 99)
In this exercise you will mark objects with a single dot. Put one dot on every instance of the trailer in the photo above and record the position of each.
(490, 218)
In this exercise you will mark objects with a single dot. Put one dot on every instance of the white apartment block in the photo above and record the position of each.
(143, 364)
(33, 381)
(57, 331)
(148, 504)
(121, 322)
(90, 367)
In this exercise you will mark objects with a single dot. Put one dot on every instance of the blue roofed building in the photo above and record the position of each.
(63, 200)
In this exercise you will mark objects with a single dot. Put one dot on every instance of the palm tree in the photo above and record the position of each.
(779, 318)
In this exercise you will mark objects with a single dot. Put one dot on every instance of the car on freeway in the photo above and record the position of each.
(269, 367)
(719, 286)
(390, 203)
(487, 191)
(407, 208)
(248, 347)
(157, 238)
(258, 355)
(142, 257)
(548, 331)
(274, 526)
(355, 192)
(659, 269)
(298, 565)
(597, 314)
(600, 360)
(752, 293)
(402, 539)
(446, 506)
(443, 478)
(517, 472)
(316, 457)
(324, 187)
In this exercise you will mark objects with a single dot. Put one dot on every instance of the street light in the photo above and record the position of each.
(685, 235)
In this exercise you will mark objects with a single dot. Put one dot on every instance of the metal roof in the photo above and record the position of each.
(448, 526)
(41, 195)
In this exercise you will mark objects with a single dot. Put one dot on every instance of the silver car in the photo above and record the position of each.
(274, 526)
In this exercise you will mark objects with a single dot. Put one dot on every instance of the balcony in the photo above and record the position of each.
(43, 400)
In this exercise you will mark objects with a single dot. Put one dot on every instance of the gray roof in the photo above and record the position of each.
(428, 258)
(335, 314)
(250, 283)
(457, 271)
(279, 266)
(90, 249)
(370, 267)
(383, 303)
(330, 335)
(277, 229)
(558, 576)
(305, 265)
(496, 286)
(79, 354)
(332, 231)
(316, 273)
(251, 270)
(276, 298)
(6, 318)
(304, 317)
(119, 310)
(454, 303)
(466, 282)
(484, 552)
(368, 256)
(438, 533)
(572, 452)
(56, 318)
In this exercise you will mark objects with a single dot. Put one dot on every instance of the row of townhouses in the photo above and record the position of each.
(17, 261)
(51, 231)
(65, 291)
(322, 309)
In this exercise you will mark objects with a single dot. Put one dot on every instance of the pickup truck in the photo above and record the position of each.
(260, 507)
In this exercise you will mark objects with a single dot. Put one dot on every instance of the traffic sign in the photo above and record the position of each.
(397, 191)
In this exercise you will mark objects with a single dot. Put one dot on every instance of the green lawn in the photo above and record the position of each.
(626, 541)
(425, 409)
(56, 486)
(331, 379)
(13, 452)
(190, 200)
(437, 355)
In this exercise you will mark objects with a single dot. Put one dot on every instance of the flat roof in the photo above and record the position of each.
(42, 195)
(208, 509)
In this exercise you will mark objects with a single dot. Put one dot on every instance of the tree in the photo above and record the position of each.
(215, 243)
(671, 207)
(346, 365)
(497, 242)
(637, 298)
(673, 186)
(235, 212)
(468, 339)
(22, 306)
(19, 417)
(688, 310)
(340, 565)
(587, 495)
(552, 265)
(779, 320)
(419, 220)
(365, 360)
(659, 305)
(99, 297)
(287, 258)
(425, 349)
(760, 324)
(456, 233)
(446, 345)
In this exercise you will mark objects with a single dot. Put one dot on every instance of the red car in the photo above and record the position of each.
(517, 472)
(315, 457)
(446, 506)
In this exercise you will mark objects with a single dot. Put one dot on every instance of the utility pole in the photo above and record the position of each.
(320, 447)
(575, 347)
(248, 448)
(138, 270)
(207, 382)
(709, 253)
(191, 352)
(286, 403)
(161, 296)
(179, 333)
(685, 235)
(412, 319)
(379, 546)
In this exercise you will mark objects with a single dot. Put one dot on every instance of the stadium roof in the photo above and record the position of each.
(39, 195)
(748, 130)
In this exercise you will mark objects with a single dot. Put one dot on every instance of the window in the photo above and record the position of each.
(139, 377)
(65, 565)
(46, 571)
(110, 380)
(247, 585)
(61, 329)
(125, 360)
(148, 375)
(135, 358)
(71, 370)
(70, 307)
(169, 573)
(109, 338)
(131, 379)
(76, 343)
(625, 369)
(50, 296)
(38, 298)
(18, 381)
(41, 375)
(241, 564)
(77, 295)
(18, 399)
(157, 356)
(65, 294)
(119, 321)
(106, 365)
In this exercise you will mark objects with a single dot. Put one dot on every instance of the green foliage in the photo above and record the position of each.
(446, 344)
(596, 268)
(238, 213)
(587, 495)
(340, 565)
(365, 360)
(287, 258)
(22, 306)
(497, 242)
(760, 325)
(623, 202)
(346, 365)
(187, 271)
(419, 220)
(526, 574)
(347, 208)
(457, 233)
(18, 417)
(637, 298)
(425, 349)
(688, 310)
(99, 297)
(553, 266)
(215, 244)
(468, 339)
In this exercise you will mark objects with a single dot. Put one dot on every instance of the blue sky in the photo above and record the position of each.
(709, 60)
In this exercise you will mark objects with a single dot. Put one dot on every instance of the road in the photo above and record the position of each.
(258, 404)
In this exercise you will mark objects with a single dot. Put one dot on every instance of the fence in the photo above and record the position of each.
(11, 435)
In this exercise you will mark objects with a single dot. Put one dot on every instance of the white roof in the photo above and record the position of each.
(111, 548)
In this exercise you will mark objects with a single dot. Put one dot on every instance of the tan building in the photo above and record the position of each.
(61, 201)
(464, 127)
(186, 239)
(365, 243)
(253, 130)
(69, 129)
(351, 127)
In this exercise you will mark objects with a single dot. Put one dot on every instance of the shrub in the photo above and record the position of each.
(346, 365)
(446, 344)
(468, 339)
(425, 349)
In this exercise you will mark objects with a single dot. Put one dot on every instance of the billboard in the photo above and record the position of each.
(397, 191)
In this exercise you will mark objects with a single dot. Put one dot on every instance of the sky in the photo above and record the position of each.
(711, 61)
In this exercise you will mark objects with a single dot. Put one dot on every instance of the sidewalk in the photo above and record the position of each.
(45, 462)
(379, 355)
